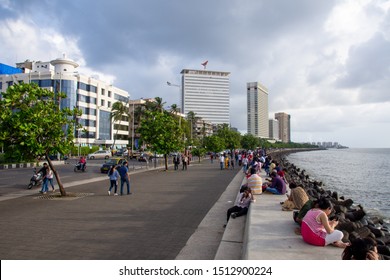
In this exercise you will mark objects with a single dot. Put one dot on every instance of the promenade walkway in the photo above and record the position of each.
(154, 223)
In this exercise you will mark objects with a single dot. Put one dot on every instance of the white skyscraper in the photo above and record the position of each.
(257, 110)
(206, 93)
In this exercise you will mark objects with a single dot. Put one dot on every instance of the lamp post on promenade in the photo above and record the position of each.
(132, 130)
(180, 109)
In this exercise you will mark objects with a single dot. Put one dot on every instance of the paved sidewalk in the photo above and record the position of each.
(155, 222)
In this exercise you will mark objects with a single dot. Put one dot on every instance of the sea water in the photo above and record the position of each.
(360, 174)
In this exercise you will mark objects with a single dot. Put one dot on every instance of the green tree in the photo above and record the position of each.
(198, 151)
(249, 142)
(118, 110)
(161, 132)
(214, 143)
(32, 125)
(231, 138)
(191, 118)
(157, 105)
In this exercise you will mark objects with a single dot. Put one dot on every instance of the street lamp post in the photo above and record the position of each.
(178, 86)
(132, 132)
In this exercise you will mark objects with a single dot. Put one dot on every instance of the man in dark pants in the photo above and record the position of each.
(242, 205)
(125, 178)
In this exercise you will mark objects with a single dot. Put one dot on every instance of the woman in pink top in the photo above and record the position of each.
(316, 228)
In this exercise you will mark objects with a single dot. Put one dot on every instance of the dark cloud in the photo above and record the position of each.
(118, 30)
(294, 48)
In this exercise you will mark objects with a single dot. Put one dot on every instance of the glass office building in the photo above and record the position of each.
(92, 96)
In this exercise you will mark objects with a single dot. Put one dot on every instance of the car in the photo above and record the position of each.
(100, 154)
(122, 152)
(113, 161)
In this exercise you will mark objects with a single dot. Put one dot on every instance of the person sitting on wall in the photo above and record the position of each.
(361, 249)
(297, 198)
(276, 186)
(254, 182)
(317, 230)
(242, 205)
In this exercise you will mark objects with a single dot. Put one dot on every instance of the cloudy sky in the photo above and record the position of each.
(324, 62)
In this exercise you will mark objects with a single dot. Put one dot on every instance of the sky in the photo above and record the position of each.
(324, 62)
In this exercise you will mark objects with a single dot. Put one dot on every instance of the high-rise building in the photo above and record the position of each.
(257, 110)
(284, 127)
(274, 129)
(92, 96)
(206, 93)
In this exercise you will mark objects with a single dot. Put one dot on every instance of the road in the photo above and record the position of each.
(154, 223)
(18, 178)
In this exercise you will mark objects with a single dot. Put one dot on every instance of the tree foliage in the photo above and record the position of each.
(32, 124)
(249, 142)
(232, 138)
(214, 143)
(160, 130)
(118, 110)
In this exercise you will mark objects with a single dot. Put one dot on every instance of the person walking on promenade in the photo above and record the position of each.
(184, 161)
(245, 162)
(221, 161)
(232, 162)
(316, 229)
(43, 170)
(125, 178)
(49, 176)
(176, 161)
(227, 162)
(114, 175)
(211, 158)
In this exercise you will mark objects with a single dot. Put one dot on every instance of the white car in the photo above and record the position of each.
(100, 154)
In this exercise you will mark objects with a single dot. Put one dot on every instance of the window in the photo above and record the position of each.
(104, 125)
(103, 91)
(109, 93)
(102, 102)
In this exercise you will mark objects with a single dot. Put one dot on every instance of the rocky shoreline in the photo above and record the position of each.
(353, 219)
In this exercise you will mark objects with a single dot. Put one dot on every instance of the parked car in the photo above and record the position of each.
(100, 154)
(122, 153)
(113, 161)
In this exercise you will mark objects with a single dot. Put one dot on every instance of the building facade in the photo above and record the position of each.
(284, 126)
(274, 129)
(206, 93)
(92, 96)
(257, 110)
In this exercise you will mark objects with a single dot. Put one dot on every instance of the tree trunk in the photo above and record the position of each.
(60, 185)
(166, 161)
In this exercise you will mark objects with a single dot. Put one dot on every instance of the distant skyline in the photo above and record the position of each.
(325, 63)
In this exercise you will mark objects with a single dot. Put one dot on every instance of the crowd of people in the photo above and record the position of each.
(312, 215)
